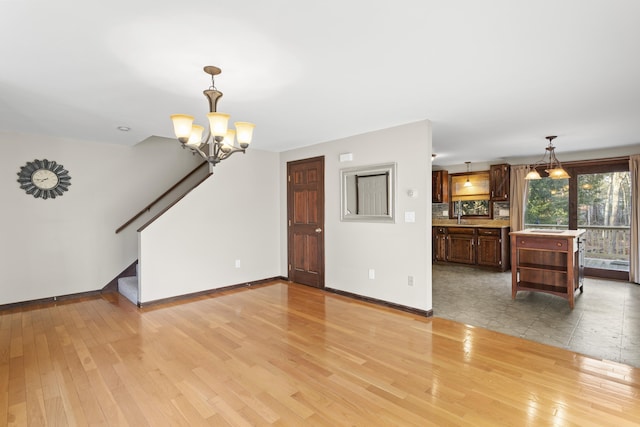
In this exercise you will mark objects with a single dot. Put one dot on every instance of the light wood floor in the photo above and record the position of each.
(289, 355)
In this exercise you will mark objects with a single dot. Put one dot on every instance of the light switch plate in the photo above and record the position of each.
(409, 217)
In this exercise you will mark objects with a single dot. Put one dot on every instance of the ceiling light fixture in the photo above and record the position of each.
(553, 165)
(467, 182)
(221, 140)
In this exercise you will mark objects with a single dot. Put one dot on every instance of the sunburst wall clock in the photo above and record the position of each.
(44, 179)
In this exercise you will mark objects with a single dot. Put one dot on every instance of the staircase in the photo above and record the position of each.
(128, 287)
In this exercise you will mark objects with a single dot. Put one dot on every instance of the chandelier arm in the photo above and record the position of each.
(214, 151)
(229, 153)
(199, 151)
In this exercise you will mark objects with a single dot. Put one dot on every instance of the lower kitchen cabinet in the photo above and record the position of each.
(481, 246)
(461, 242)
(493, 247)
(439, 244)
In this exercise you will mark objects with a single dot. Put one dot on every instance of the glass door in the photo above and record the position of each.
(604, 210)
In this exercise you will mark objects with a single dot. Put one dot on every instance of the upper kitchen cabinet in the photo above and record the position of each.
(499, 182)
(439, 187)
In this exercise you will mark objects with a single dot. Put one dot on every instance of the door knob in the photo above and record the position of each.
(318, 230)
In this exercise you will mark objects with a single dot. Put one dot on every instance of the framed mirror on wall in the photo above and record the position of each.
(367, 193)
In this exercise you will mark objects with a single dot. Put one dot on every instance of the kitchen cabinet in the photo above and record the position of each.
(482, 246)
(461, 245)
(499, 182)
(549, 261)
(440, 244)
(440, 186)
(490, 248)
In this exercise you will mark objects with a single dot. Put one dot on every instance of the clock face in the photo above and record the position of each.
(44, 179)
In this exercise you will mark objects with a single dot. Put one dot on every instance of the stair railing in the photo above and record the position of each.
(165, 194)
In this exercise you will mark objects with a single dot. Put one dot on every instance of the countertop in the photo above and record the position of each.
(550, 233)
(474, 223)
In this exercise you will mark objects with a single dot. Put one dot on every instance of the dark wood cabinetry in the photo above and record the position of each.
(548, 261)
(440, 244)
(461, 245)
(482, 246)
(490, 248)
(440, 187)
(499, 182)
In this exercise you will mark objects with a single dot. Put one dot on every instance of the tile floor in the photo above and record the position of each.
(605, 322)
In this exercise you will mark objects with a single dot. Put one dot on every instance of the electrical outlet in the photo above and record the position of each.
(372, 273)
(410, 281)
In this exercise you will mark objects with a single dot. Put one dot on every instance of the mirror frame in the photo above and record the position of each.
(390, 170)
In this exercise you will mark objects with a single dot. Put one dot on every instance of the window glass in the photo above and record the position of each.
(547, 204)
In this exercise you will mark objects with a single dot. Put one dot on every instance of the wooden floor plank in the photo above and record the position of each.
(281, 354)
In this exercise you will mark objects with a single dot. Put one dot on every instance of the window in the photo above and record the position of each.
(470, 195)
(547, 204)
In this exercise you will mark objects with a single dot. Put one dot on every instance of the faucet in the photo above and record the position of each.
(459, 211)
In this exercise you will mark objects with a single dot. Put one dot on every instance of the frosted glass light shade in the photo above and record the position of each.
(533, 174)
(558, 173)
(244, 132)
(218, 123)
(182, 126)
(196, 135)
(229, 139)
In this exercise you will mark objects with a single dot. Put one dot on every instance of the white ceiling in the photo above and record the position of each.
(495, 77)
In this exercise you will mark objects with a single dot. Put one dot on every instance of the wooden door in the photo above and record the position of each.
(305, 220)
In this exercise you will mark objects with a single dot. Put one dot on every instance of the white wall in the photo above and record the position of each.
(68, 245)
(233, 215)
(394, 251)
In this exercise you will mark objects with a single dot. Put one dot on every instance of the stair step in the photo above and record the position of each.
(128, 286)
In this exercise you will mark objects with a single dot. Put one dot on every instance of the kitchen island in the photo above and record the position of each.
(550, 261)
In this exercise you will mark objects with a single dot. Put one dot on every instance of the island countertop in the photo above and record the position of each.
(550, 233)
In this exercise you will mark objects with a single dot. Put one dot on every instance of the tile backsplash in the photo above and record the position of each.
(441, 211)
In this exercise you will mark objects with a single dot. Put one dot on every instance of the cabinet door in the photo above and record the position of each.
(440, 247)
(499, 182)
(439, 187)
(489, 251)
(461, 248)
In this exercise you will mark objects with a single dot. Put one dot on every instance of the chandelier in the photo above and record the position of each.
(220, 138)
(553, 166)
